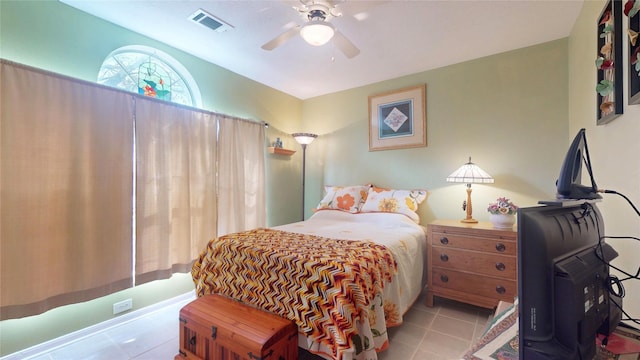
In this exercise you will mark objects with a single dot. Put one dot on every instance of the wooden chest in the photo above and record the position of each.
(214, 327)
(472, 263)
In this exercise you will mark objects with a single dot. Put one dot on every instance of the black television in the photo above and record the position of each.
(563, 273)
(563, 295)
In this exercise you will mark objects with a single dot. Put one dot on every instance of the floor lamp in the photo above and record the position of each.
(304, 139)
(469, 173)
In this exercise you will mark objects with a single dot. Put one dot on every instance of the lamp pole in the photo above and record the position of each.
(304, 139)
(304, 157)
(468, 207)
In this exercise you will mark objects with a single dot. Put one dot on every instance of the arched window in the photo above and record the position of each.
(150, 72)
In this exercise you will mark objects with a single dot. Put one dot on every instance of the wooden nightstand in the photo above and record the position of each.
(471, 263)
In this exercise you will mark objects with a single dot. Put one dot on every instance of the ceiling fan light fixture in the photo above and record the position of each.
(317, 33)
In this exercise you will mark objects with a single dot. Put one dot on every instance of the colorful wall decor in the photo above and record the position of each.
(609, 71)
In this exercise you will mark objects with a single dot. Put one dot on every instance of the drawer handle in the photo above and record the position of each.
(444, 240)
(500, 247)
(500, 289)
(500, 266)
(444, 278)
(444, 257)
(192, 341)
(214, 332)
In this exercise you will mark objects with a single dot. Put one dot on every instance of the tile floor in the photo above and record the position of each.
(443, 332)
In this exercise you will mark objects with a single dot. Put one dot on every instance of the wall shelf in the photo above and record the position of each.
(280, 151)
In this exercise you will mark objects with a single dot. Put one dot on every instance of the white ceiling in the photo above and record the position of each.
(395, 37)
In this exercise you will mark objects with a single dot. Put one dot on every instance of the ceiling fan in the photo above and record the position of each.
(317, 30)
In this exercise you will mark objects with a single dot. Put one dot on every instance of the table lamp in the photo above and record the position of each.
(469, 173)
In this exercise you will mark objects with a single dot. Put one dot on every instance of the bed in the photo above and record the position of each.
(344, 277)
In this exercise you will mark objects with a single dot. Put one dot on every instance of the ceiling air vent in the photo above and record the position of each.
(205, 19)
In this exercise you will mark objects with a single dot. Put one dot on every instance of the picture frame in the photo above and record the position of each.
(609, 93)
(633, 62)
(397, 119)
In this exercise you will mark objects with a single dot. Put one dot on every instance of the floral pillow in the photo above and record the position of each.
(395, 201)
(344, 198)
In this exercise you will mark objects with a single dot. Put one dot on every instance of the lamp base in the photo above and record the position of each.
(469, 221)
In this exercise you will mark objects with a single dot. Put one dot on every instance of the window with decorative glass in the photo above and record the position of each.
(150, 72)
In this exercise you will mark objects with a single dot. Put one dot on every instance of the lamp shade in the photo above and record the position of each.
(470, 173)
(317, 32)
(304, 138)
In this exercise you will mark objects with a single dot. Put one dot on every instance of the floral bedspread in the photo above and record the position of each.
(332, 289)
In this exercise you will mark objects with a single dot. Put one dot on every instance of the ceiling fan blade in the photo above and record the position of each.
(280, 39)
(345, 45)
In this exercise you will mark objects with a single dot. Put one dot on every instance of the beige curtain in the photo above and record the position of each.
(175, 191)
(241, 175)
(65, 191)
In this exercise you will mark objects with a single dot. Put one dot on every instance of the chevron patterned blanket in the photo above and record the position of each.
(331, 288)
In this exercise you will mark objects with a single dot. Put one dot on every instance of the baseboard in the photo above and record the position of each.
(63, 340)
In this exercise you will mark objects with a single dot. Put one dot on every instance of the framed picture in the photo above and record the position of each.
(397, 119)
(609, 63)
(632, 10)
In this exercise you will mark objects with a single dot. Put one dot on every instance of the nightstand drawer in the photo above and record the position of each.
(498, 246)
(480, 285)
(476, 262)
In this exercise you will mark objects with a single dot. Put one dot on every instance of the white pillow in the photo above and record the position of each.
(344, 198)
(394, 201)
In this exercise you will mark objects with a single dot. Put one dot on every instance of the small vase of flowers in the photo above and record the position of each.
(503, 213)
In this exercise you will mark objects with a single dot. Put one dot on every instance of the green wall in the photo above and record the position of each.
(55, 37)
(507, 111)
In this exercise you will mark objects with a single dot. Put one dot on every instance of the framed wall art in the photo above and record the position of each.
(632, 10)
(398, 119)
(609, 63)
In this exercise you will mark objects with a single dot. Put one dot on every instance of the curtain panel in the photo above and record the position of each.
(175, 191)
(80, 219)
(241, 175)
(65, 191)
